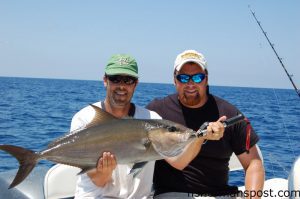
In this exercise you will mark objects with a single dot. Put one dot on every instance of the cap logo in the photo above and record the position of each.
(191, 56)
(124, 61)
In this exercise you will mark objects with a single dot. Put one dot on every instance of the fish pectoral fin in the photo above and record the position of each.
(84, 170)
(137, 168)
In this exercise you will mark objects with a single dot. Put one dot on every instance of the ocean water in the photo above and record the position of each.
(34, 111)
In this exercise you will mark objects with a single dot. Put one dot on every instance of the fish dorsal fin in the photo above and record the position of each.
(100, 117)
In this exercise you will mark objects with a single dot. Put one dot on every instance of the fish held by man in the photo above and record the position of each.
(130, 140)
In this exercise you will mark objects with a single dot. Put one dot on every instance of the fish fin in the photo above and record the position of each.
(84, 170)
(137, 168)
(100, 117)
(27, 160)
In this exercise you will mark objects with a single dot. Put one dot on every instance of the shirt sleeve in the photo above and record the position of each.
(82, 118)
(154, 115)
(76, 123)
(239, 140)
(151, 106)
(86, 189)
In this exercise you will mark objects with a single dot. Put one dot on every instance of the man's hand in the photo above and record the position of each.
(103, 172)
(215, 130)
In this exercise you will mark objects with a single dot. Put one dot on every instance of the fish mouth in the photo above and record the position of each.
(193, 134)
(189, 134)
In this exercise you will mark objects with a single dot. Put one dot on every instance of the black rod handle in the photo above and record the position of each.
(233, 120)
(229, 122)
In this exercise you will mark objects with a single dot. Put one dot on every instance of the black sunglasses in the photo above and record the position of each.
(185, 78)
(117, 79)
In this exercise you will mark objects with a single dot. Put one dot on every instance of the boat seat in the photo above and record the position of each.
(294, 177)
(60, 181)
(234, 163)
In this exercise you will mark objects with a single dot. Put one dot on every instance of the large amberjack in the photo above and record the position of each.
(130, 140)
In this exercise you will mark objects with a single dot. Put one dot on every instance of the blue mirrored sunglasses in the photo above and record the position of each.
(197, 78)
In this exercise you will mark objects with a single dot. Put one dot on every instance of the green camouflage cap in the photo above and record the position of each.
(122, 64)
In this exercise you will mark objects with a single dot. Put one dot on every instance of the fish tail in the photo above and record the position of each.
(27, 160)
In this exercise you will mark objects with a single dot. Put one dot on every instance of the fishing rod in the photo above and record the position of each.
(280, 59)
(229, 122)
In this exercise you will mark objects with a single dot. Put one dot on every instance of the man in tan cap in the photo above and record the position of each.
(192, 105)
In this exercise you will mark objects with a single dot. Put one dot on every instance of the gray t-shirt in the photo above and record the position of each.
(208, 172)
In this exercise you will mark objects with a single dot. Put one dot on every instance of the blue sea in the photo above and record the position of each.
(35, 111)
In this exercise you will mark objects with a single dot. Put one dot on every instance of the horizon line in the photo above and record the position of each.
(53, 78)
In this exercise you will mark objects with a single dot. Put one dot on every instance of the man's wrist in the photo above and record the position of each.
(99, 179)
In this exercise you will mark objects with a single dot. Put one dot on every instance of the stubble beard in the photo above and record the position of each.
(120, 101)
(190, 100)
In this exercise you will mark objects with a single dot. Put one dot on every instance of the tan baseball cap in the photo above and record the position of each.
(190, 56)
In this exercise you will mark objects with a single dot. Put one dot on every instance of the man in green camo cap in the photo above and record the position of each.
(110, 180)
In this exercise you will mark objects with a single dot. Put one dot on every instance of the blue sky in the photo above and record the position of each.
(74, 39)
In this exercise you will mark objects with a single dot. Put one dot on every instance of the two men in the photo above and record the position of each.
(203, 166)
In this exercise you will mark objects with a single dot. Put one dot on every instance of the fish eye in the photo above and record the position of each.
(172, 129)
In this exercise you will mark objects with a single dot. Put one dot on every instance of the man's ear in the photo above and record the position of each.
(174, 78)
(206, 79)
(105, 81)
(136, 83)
